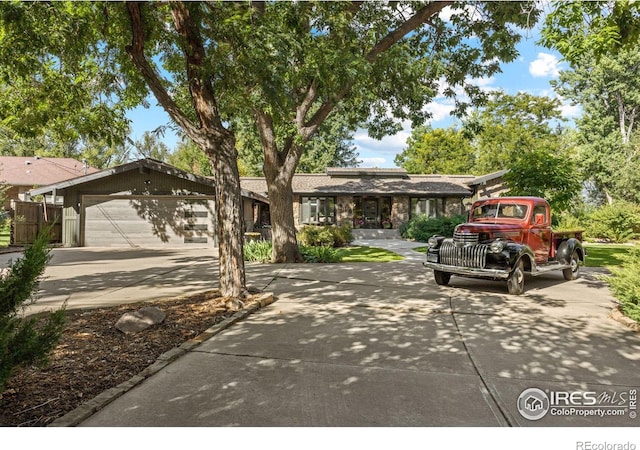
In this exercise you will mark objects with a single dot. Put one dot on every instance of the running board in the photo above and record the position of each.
(550, 268)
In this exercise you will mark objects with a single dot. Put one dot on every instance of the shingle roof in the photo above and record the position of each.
(149, 163)
(373, 184)
(35, 170)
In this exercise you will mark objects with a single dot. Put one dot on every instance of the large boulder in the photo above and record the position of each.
(142, 319)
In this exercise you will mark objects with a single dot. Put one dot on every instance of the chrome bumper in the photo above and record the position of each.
(499, 274)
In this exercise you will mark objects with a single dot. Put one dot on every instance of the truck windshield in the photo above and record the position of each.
(500, 211)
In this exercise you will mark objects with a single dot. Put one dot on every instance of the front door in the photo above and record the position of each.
(370, 212)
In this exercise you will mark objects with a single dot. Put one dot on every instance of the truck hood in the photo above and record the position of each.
(491, 230)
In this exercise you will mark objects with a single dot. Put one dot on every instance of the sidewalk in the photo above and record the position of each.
(381, 345)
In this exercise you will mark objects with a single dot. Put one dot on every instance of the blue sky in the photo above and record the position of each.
(531, 72)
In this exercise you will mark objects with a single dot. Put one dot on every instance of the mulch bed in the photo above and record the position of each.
(94, 356)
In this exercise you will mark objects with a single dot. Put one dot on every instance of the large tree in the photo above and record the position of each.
(330, 146)
(446, 151)
(592, 29)
(286, 66)
(600, 41)
(509, 125)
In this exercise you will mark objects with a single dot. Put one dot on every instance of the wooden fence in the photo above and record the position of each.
(28, 218)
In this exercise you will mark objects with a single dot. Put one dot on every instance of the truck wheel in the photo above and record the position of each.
(515, 282)
(573, 272)
(442, 278)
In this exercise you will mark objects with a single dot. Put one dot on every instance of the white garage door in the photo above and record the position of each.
(147, 221)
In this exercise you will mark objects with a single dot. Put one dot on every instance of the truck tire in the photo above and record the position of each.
(573, 272)
(442, 278)
(515, 282)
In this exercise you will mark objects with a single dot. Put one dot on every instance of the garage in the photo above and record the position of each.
(144, 203)
(147, 221)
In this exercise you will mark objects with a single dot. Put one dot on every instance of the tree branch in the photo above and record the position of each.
(419, 18)
(200, 88)
(136, 52)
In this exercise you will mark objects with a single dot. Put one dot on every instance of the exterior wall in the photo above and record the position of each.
(453, 206)
(344, 212)
(134, 182)
(296, 210)
(400, 207)
(247, 204)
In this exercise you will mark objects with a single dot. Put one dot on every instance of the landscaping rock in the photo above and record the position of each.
(140, 320)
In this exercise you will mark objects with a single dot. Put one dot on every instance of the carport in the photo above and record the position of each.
(145, 203)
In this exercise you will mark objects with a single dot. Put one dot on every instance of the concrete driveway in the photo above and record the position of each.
(375, 344)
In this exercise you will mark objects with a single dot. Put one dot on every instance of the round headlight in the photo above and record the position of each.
(433, 242)
(497, 246)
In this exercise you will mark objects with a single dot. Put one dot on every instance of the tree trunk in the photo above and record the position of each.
(230, 226)
(283, 231)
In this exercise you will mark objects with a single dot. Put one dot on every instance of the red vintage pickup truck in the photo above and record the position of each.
(505, 238)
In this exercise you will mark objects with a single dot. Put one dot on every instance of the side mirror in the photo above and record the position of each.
(540, 219)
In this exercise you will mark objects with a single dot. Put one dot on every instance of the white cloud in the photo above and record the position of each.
(545, 65)
(439, 111)
(373, 162)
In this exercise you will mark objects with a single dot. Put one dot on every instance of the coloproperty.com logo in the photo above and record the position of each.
(534, 403)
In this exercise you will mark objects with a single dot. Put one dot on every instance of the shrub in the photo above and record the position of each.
(25, 341)
(342, 236)
(421, 228)
(258, 251)
(321, 254)
(568, 222)
(625, 284)
(327, 236)
(618, 222)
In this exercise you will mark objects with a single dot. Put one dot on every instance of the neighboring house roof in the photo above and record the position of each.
(40, 171)
(142, 164)
(370, 182)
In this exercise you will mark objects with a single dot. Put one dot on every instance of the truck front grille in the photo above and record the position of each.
(474, 256)
(465, 238)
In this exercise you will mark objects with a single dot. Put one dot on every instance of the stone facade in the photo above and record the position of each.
(399, 210)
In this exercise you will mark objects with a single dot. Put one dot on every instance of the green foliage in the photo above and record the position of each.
(421, 228)
(320, 254)
(327, 236)
(625, 284)
(509, 126)
(607, 139)
(618, 222)
(595, 28)
(150, 146)
(258, 251)
(445, 151)
(540, 173)
(568, 222)
(261, 251)
(190, 158)
(25, 341)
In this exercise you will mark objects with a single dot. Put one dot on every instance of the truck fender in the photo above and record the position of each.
(566, 249)
(518, 252)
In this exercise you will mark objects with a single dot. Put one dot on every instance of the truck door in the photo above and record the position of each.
(540, 233)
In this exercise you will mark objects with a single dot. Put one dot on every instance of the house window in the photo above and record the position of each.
(318, 210)
(430, 207)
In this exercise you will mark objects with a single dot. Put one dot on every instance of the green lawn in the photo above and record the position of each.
(4, 236)
(605, 255)
(368, 254)
(600, 255)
